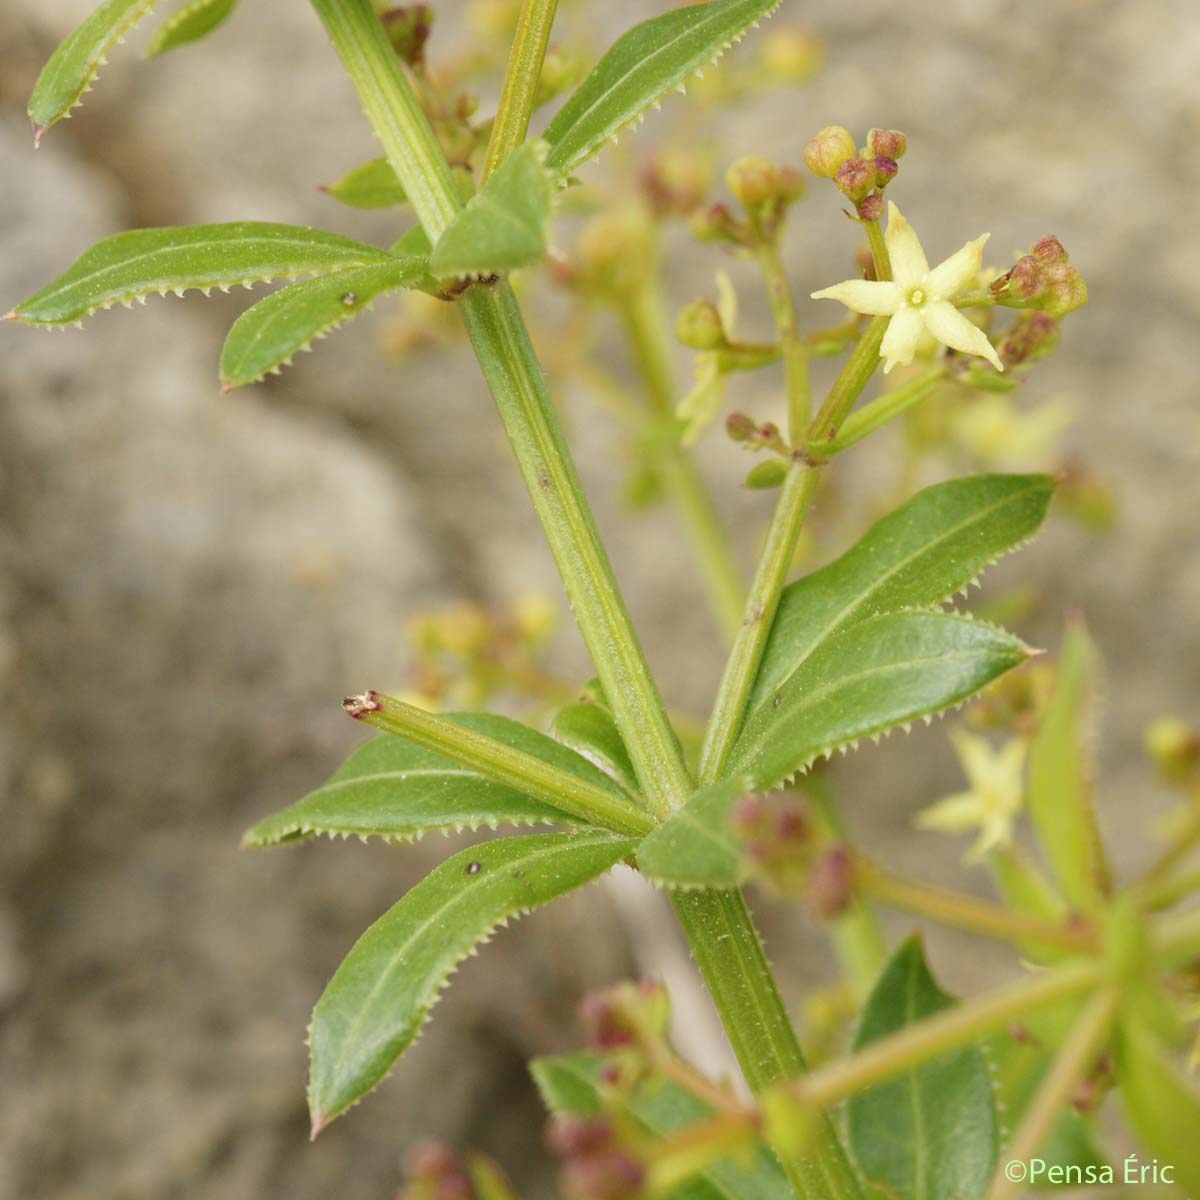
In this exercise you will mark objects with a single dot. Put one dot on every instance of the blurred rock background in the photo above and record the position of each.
(189, 582)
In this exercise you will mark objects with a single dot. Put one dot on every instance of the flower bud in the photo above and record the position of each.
(886, 170)
(886, 143)
(699, 326)
(629, 1014)
(1175, 748)
(1049, 250)
(776, 838)
(1033, 335)
(740, 428)
(718, 224)
(408, 30)
(826, 153)
(595, 1165)
(871, 209)
(1065, 291)
(831, 883)
(1025, 280)
(754, 181)
(616, 251)
(433, 1173)
(676, 181)
(790, 55)
(855, 178)
(766, 475)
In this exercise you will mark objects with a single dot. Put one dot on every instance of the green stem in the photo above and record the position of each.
(879, 251)
(520, 80)
(795, 347)
(741, 668)
(495, 760)
(857, 372)
(881, 410)
(1074, 1058)
(644, 320)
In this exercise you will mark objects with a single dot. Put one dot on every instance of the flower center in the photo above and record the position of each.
(916, 297)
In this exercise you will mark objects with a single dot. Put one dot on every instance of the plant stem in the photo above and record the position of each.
(863, 361)
(961, 911)
(505, 764)
(882, 409)
(681, 1156)
(729, 710)
(879, 251)
(1074, 1058)
(521, 78)
(795, 347)
(645, 325)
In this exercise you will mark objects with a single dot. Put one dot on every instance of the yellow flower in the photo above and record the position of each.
(917, 298)
(992, 802)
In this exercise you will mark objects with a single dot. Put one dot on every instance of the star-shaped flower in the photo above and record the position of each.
(993, 800)
(917, 298)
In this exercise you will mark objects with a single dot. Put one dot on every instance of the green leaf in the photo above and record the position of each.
(695, 845)
(390, 788)
(1060, 790)
(880, 673)
(1163, 1106)
(133, 265)
(570, 1086)
(504, 226)
(191, 23)
(641, 67)
(380, 996)
(373, 185)
(917, 556)
(265, 337)
(1026, 890)
(590, 730)
(929, 1134)
(73, 66)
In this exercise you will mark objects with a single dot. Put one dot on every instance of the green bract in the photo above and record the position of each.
(265, 337)
(380, 996)
(373, 185)
(392, 789)
(917, 556)
(191, 23)
(131, 266)
(695, 847)
(504, 226)
(880, 673)
(73, 66)
(642, 66)
(590, 729)
(931, 1133)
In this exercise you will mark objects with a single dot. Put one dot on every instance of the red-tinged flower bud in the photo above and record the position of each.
(1065, 289)
(595, 1165)
(629, 1014)
(1032, 336)
(1049, 250)
(871, 209)
(831, 883)
(776, 837)
(855, 178)
(408, 30)
(740, 428)
(886, 143)
(699, 326)
(826, 153)
(433, 1173)
(886, 169)
(718, 224)
(676, 181)
(1025, 280)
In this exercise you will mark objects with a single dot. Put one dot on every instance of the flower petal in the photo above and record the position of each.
(864, 296)
(958, 272)
(900, 342)
(949, 326)
(909, 265)
(959, 813)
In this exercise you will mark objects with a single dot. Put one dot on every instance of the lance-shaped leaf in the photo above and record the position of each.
(917, 556)
(74, 65)
(1060, 786)
(191, 23)
(590, 730)
(929, 1134)
(1163, 1105)
(266, 336)
(570, 1086)
(880, 673)
(142, 262)
(640, 68)
(695, 846)
(380, 996)
(373, 185)
(504, 226)
(390, 788)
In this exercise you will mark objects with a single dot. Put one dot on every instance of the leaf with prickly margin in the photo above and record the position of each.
(1060, 786)
(1162, 1104)
(504, 226)
(1026, 890)
(917, 556)
(142, 262)
(390, 788)
(641, 67)
(929, 1134)
(695, 846)
(73, 66)
(191, 23)
(377, 1001)
(373, 185)
(570, 1086)
(591, 731)
(266, 336)
(880, 673)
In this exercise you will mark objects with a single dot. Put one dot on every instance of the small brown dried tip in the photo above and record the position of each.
(359, 706)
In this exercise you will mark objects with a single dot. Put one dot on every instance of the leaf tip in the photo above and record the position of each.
(319, 1122)
(39, 132)
(11, 315)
